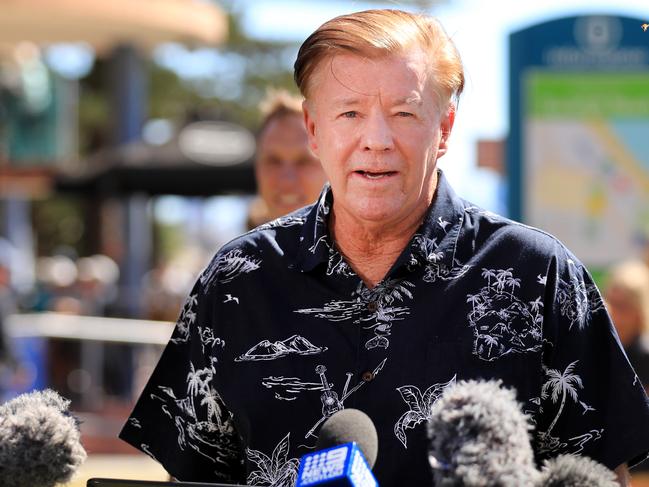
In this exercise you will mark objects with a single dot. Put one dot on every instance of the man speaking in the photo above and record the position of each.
(383, 293)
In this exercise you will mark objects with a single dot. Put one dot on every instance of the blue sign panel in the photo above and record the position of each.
(579, 119)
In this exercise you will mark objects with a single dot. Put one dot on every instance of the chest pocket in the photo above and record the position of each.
(518, 370)
(446, 360)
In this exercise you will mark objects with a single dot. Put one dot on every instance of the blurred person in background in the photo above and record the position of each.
(96, 285)
(8, 363)
(166, 285)
(288, 175)
(96, 290)
(56, 276)
(627, 299)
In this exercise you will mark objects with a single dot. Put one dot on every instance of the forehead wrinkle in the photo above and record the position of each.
(344, 85)
(349, 101)
(414, 98)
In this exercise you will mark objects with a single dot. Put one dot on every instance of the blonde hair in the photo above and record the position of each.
(375, 33)
(278, 104)
(632, 278)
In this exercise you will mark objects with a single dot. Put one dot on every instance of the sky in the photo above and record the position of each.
(480, 29)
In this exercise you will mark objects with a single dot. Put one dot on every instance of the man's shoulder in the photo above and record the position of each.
(270, 247)
(292, 221)
(285, 229)
(511, 235)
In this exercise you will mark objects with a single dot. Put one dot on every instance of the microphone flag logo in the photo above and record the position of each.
(342, 465)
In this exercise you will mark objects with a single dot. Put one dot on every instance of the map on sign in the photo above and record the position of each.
(587, 161)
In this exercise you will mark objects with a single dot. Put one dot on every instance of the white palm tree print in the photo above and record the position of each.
(562, 384)
(274, 471)
(501, 322)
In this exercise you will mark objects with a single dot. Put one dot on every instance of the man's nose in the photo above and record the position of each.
(377, 134)
(288, 171)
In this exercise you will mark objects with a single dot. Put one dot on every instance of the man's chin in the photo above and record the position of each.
(278, 211)
(377, 214)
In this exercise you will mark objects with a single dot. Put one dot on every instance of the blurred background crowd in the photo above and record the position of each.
(137, 137)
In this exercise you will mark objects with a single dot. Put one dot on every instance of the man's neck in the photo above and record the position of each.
(372, 248)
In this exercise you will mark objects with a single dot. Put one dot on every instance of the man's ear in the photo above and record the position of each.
(309, 123)
(445, 127)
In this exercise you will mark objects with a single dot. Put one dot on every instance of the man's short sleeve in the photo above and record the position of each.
(591, 402)
(180, 419)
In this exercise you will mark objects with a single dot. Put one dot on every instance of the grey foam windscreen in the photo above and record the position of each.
(349, 425)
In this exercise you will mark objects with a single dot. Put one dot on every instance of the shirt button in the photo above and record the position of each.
(367, 376)
(372, 306)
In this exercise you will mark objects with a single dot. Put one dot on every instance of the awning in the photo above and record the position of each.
(156, 170)
(105, 23)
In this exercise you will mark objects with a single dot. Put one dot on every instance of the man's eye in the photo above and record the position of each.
(271, 161)
(405, 114)
(350, 114)
(307, 161)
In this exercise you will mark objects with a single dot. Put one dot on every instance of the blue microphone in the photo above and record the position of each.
(346, 451)
(342, 465)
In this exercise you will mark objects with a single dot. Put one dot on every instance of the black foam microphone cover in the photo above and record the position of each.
(574, 471)
(479, 437)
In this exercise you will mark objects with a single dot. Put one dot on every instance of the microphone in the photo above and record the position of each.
(350, 425)
(479, 436)
(344, 443)
(39, 441)
(574, 471)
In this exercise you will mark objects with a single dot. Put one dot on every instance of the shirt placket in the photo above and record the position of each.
(372, 338)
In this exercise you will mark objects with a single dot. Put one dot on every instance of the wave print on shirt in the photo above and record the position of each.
(578, 300)
(385, 298)
(282, 222)
(227, 267)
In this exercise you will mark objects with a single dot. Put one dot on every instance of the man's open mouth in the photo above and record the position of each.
(375, 174)
(289, 199)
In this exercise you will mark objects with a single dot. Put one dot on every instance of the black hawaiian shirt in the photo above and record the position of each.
(279, 333)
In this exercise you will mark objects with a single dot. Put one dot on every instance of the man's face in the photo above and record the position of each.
(376, 127)
(289, 176)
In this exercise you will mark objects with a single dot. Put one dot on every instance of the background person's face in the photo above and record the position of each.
(626, 314)
(376, 127)
(288, 175)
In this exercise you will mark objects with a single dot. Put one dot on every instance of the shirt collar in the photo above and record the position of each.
(433, 243)
(315, 244)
